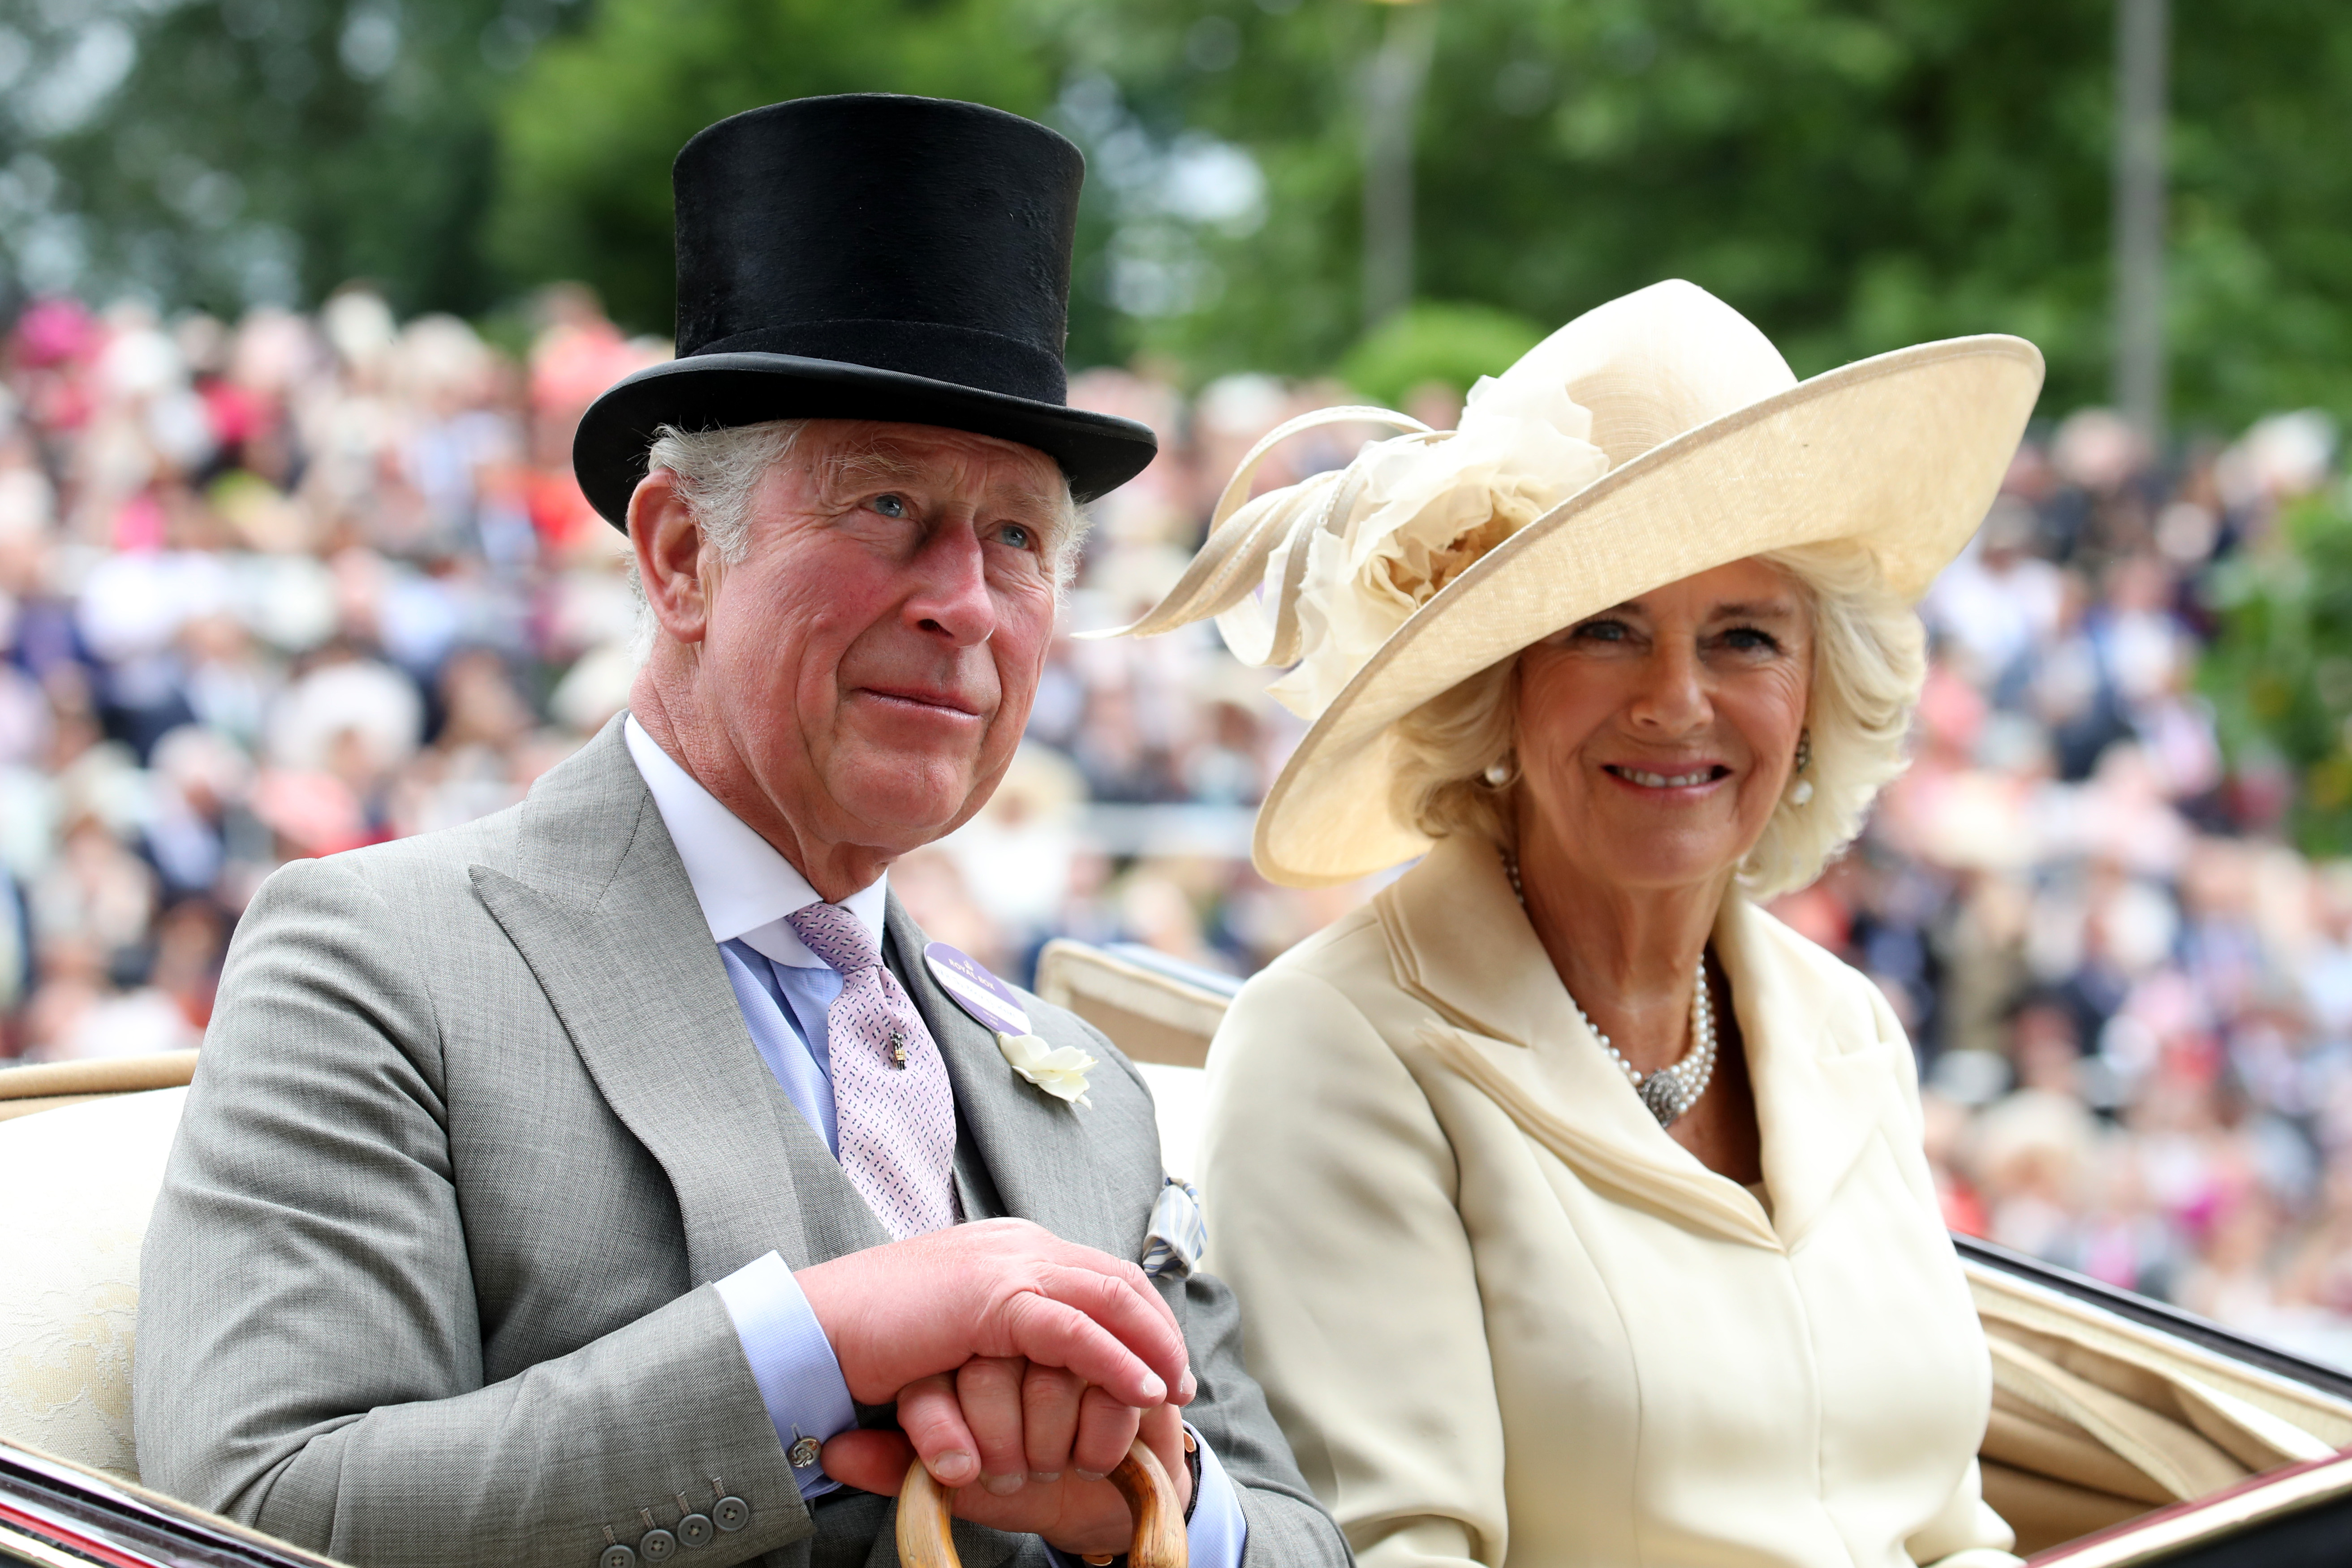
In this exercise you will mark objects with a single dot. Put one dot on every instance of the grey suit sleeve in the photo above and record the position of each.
(309, 1355)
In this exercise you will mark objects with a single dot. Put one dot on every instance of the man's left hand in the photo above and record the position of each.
(1028, 1446)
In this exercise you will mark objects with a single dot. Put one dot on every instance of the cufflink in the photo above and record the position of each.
(803, 1451)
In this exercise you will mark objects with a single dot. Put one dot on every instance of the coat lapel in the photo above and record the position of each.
(1458, 940)
(1035, 1147)
(1824, 1077)
(601, 908)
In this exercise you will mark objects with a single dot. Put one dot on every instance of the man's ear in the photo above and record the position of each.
(667, 544)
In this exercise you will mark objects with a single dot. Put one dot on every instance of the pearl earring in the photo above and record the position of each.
(1802, 790)
(1497, 775)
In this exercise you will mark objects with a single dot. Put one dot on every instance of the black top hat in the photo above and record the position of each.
(869, 257)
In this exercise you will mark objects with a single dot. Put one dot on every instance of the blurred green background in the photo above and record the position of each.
(1853, 175)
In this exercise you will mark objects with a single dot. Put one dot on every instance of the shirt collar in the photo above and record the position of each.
(745, 887)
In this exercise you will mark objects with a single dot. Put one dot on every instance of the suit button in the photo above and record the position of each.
(657, 1545)
(732, 1513)
(696, 1530)
(617, 1556)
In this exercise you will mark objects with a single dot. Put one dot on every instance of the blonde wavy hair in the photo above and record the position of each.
(1869, 662)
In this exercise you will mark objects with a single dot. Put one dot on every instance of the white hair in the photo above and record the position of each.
(1869, 663)
(719, 471)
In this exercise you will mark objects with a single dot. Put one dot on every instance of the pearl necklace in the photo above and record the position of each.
(1670, 1092)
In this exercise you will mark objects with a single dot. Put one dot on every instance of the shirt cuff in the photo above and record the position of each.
(792, 1362)
(1217, 1533)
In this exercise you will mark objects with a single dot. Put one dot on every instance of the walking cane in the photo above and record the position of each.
(924, 1513)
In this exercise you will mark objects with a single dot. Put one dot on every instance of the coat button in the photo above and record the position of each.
(617, 1556)
(657, 1545)
(730, 1513)
(696, 1530)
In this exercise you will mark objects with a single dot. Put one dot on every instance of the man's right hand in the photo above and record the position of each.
(1001, 1288)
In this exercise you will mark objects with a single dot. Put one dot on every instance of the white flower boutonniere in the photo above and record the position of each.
(1060, 1071)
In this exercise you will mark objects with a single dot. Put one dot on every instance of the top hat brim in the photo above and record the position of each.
(1098, 452)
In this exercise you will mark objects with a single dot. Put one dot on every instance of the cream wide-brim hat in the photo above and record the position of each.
(1714, 453)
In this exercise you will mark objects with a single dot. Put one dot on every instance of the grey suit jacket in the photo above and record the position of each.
(477, 1122)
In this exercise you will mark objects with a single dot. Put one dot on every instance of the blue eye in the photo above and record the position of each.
(1018, 536)
(890, 505)
(1751, 639)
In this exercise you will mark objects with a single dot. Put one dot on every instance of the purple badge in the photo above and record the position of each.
(976, 990)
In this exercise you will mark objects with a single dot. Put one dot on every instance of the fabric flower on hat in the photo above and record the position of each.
(1061, 1071)
(1319, 574)
(1426, 512)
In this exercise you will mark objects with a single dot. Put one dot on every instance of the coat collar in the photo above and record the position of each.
(1824, 1072)
(600, 908)
(745, 885)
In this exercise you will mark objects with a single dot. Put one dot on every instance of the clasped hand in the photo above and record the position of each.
(1019, 1361)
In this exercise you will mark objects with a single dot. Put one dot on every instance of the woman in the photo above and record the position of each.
(1576, 1205)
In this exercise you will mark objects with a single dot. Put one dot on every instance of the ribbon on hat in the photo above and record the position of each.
(1318, 573)
(1270, 529)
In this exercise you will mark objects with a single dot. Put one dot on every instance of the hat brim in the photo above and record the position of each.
(1903, 453)
(1098, 452)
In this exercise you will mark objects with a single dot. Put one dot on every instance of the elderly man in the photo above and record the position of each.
(625, 1175)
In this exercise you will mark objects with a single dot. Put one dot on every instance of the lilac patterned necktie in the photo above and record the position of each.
(893, 1107)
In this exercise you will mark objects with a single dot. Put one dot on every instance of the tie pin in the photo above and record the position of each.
(898, 1049)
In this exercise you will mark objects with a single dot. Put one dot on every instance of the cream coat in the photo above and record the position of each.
(1503, 1317)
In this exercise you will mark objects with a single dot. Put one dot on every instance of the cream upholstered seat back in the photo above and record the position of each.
(78, 1185)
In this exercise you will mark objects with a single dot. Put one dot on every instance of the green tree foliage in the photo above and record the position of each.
(1451, 344)
(216, 152)
(1856, 175)
(2280, 673)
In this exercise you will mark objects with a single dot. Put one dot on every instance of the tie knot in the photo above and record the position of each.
(836, 936)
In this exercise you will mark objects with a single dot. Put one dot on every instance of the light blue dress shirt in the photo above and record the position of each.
(746, 890)
(795, 1042)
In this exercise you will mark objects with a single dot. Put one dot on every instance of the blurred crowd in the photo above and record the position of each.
(301, 583)
(2132, 998)
(271, 590)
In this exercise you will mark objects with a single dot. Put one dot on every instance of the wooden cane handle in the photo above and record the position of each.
(925, 1509)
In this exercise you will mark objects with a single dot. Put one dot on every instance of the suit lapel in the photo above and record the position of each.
(601, 909)
(1034, 1147)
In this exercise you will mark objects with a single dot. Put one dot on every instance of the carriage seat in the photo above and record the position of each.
(80, 1182)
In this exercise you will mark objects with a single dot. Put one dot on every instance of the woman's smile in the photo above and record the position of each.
(1687, 779)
